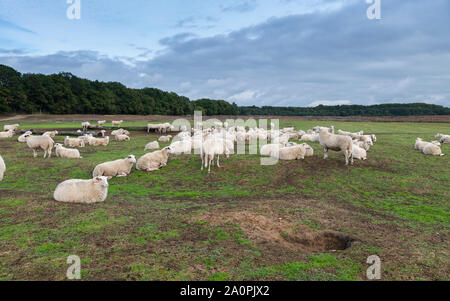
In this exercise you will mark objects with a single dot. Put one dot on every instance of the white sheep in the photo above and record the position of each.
(85, 125)
(98, 141)
(211, 148)
(21, 138)
(420, 144)
(292, 153)
(101, 123)
(330, 129)
(152, 145)
(103, 132)
(443, 138)
(309, 151)
(11, 127)
(117, 168)
(181, 147)
(152, 126)
(432, 149)
(7, 134)
(312, 137)
(40, 142)
(336, 143)
(117, 122)
(51, 134)
(120, 132)
(153, 161)
(82, 191)
(120, 138)
(63, 152)
(358, 152)
(74, 142)
(165, 139)
(2, 168)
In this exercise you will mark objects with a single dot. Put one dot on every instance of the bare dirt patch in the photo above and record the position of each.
(262, 229)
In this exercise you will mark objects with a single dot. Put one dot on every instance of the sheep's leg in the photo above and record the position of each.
(211, 161)
(121, 175)
(34, 153)
(346, 157)
(218, 157)
(325, 151)
(201, 155)
(50, 153)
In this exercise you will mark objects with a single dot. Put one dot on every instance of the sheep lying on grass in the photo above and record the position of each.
(309, 151)
(51, 134)
(98, 141)
(310, 137)
(74, 142)
(117, 123)
(295, 152)
(433, 149)
(211, 148)
(40, 142)
(11, 127)
(7, 134)
(271, 149)
(21, 138)
(82, 191)
(120, 138)
(165, 139)
(117, 168)
(152, 145)
(2, 168)
(443, 138)
(153, 161)
(120, 132)
(63, 152)
(181, 147)
(336, 143)
(358, 152)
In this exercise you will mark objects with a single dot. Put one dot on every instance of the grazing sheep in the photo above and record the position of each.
(211, 148)
(336, 143)
(11, 127)
(152, 126)
(51, 134)
(153, 161)
(432, 149)
(152, 145)
(165, 139)
(74, 142)
(63, 152)
(40, 142)
(85, 125)
(7, 134)
(21, 138)
(2, 168)
(117, 122)
(293, 152)
(358, 152)
(120, 138)
(101, 123)
(82, 191)
(98, 141)
(117, 168)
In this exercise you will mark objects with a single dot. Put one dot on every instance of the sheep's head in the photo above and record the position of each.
(58, 145)
(26, 136)
(102, 181)
(131, 158)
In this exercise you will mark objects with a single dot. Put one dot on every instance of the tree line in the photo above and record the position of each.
(65, 93)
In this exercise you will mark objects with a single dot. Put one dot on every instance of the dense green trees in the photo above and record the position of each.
(65, 93)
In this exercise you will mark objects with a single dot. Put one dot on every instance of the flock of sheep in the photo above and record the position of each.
(210, 142)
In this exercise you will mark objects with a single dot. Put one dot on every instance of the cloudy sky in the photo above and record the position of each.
(252, 52)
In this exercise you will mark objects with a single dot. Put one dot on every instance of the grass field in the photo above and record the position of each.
(243, 221)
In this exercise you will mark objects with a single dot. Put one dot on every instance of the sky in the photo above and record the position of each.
(252, 52)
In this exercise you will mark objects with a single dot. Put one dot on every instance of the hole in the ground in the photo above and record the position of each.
(322, 241)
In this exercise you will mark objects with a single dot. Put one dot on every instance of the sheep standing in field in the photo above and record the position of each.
(74, 142)
(358, 152)
(98, 141)
(82, 191)
(40, 142)
(101, 123)
(432, 149)
(85, 125)
(165, 139)
(2, 168)
(117, 123)
(336, 143)
(7, 134)
(293, 152)
(51, 134)
(63, 152)
(152, 145)
(21, 138)
(11, 127)
(153, 161)
(120, 138)
(117, 168)
(152, 126)
(211, 148)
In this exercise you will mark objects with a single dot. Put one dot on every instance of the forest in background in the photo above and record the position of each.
(65, 93)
